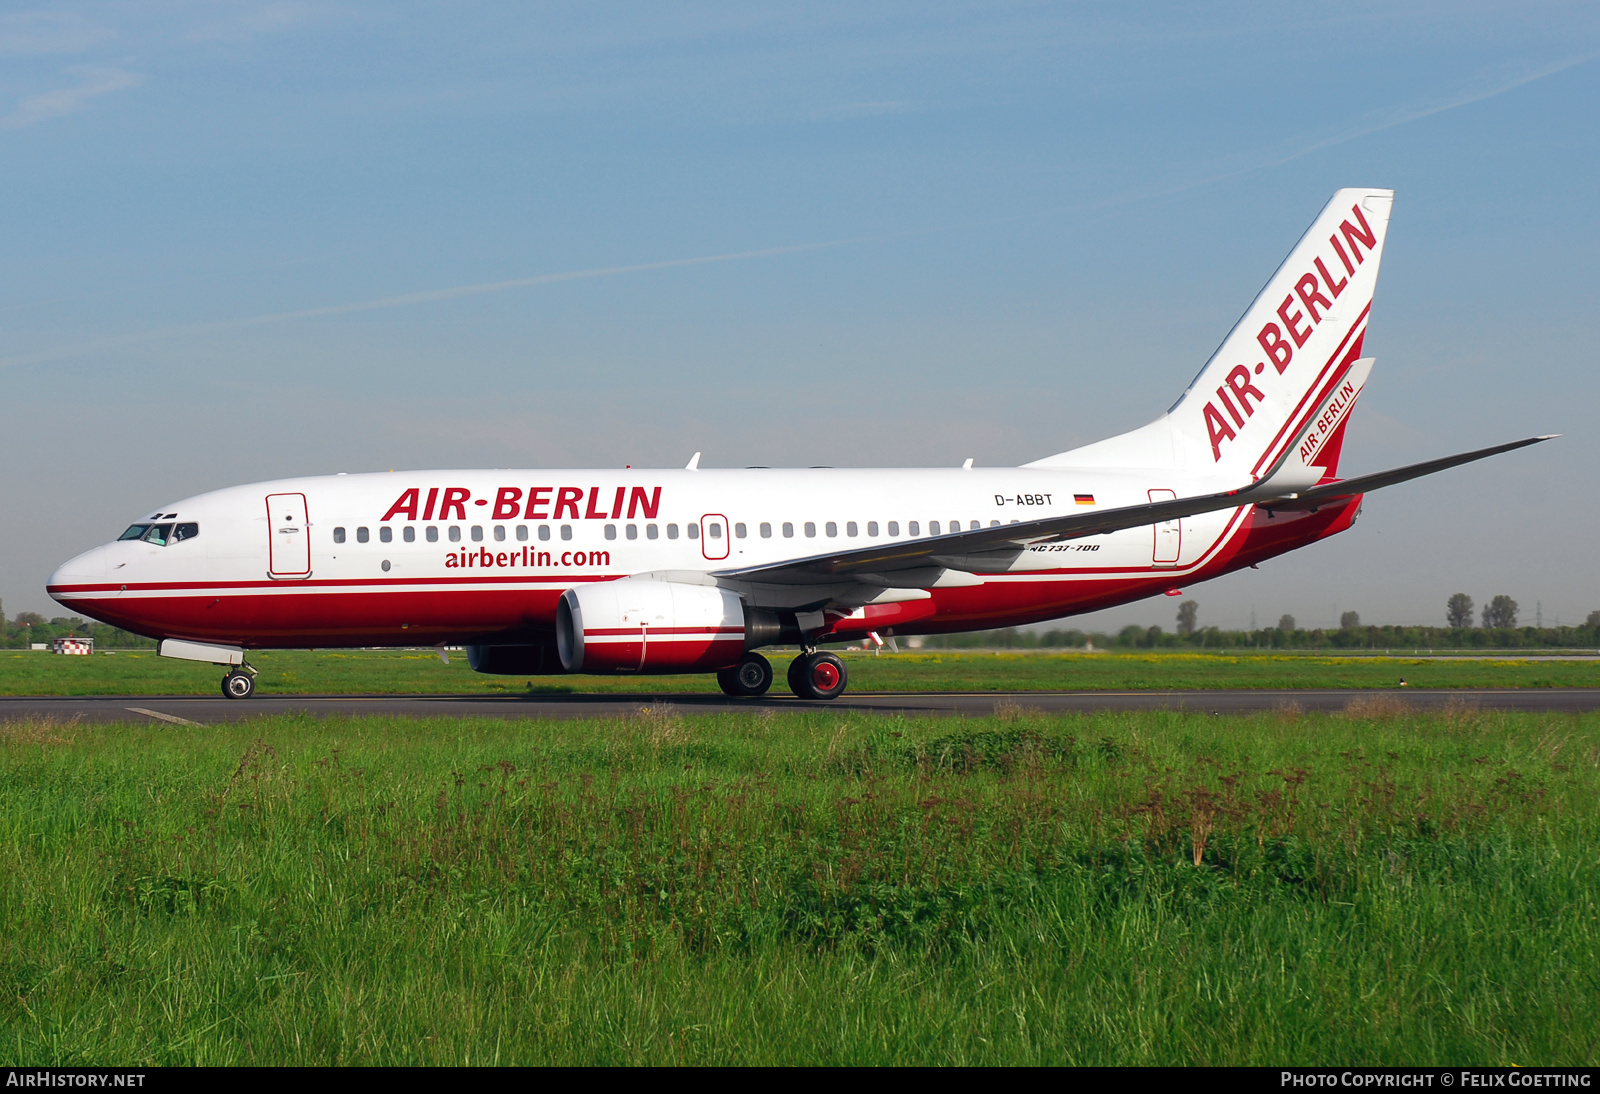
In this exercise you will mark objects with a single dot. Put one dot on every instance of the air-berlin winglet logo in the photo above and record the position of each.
(1298, 315)
(536, 503)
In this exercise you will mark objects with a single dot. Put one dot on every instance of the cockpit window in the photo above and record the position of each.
(161, 534)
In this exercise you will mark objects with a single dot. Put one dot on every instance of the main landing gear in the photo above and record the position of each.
(239, 683)
(817, 675)
(751, 677)
(812, 675)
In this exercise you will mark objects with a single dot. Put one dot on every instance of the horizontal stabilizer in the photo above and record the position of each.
(1361, 484)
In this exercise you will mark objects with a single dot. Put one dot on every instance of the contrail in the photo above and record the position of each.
(427, 297)
(1375, 122)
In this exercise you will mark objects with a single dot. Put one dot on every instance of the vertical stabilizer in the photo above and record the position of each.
(1280, 365)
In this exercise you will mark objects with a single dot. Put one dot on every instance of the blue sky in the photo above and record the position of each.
(235, 235)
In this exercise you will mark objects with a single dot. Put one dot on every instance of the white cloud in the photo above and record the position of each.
(36, 32)
(93, 83)
(242, 22)
(865, 110)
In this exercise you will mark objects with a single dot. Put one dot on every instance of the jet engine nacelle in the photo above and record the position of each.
(649, 626)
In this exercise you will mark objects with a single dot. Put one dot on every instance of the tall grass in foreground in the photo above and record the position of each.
(1380, 886)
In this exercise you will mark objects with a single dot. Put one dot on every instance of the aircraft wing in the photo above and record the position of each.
(992, 549)
(966, 550)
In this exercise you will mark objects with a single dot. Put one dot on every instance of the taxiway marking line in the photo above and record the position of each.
(163, 717)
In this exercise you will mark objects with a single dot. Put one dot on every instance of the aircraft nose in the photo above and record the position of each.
(88, 568)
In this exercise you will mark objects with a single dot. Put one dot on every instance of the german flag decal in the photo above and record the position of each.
(1083, 499)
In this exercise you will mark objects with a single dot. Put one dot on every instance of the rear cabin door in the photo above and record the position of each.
(714, 536)
(1169, 534)
(289, 536)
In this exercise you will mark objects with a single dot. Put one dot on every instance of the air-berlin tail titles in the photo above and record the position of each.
(1331, 415)
(1300, 312)
(537, 503)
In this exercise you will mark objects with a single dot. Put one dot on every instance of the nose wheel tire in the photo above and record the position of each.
(751, 677)
(818, 676)
(238, 685)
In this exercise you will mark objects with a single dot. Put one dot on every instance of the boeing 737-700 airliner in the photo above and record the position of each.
(693, 570)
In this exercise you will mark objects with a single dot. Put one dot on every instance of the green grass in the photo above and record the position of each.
(1381, 886)
(285, 672)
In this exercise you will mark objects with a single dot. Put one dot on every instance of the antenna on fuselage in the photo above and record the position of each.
(693, 464)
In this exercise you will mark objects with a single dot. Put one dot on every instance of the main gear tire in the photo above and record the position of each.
(750, 678)
(797, 672)
(820, 676)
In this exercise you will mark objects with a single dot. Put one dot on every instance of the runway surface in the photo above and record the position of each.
(201, 710)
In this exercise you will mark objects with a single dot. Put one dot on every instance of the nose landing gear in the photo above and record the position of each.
(751, 677)
(817, 675)
(240, 683)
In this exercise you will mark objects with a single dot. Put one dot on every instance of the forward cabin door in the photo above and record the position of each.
(1169, 533)
(289, 536)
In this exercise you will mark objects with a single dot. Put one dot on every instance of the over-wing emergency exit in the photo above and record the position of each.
(681, 571)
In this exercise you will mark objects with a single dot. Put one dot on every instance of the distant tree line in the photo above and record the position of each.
(29, 627)
(1496, 629)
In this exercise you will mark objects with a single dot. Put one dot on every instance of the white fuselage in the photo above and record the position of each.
(482, 556)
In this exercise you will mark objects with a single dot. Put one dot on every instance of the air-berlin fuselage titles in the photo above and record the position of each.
(696, 570)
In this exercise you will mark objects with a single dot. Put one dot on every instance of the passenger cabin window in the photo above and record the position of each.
(135, 531)
(872, 527)
(651, 531)
(184, 531)
(338, 535)
(714, 530)
(633, 531)
(831, 528)
(386, 534)
(455, 533)
(544, 531)
(894, 528)
(933, 528)
(362, 535)
(738, 531)
(811, 529)
(499, 533)
(911, 529)
(766, 530)
(672, 531)
(693, 531)
(433, 533)
(409, 535)
(611, 531)
(788, 530)
(850, 528)
(975, 525)
(477, 533)
(566, 531)
(522, 531)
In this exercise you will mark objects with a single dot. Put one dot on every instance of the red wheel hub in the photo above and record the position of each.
(824, 676)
